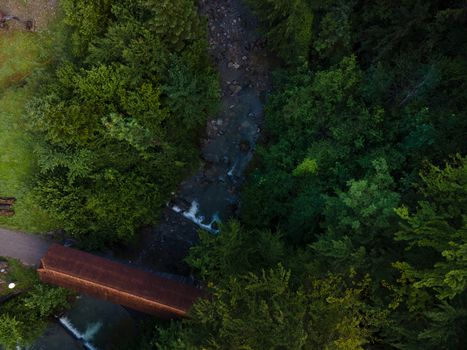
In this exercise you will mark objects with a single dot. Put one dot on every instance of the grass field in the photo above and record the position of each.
(20, 53)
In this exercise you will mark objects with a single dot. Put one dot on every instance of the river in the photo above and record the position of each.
(203, 200)
(211, 195)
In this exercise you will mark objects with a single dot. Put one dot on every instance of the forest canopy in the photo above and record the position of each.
(352, 225)
(356, 207)
(120, 113)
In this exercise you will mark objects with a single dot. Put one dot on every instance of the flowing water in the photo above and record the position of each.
(91, 324)
(231, 136)
(211, 195)
(204, 200)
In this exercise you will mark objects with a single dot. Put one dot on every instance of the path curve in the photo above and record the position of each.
(27, 248)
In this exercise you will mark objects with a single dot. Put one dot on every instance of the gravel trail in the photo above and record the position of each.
(27, 248)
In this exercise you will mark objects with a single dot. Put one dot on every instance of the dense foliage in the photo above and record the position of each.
(258, 303)
(24, 317)
(119, 114)
(356, 211)
(352, 233)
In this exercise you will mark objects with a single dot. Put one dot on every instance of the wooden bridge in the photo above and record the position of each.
(118, 283)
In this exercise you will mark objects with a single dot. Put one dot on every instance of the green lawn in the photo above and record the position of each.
(19, 55)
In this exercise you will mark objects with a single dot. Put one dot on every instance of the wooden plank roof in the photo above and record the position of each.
(91, 274)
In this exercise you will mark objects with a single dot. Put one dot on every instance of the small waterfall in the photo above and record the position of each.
(176, 209)
(87, 336)
(231, 171)
(193, 216)
(91, 330)
(65, 322)
(89, 346)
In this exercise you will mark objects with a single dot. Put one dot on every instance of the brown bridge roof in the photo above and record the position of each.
(118, 283)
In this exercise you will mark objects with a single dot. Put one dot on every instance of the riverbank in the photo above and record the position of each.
(211, 195)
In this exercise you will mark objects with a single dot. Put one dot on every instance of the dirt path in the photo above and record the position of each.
(29, 249)
(212, 194)
(39, 11)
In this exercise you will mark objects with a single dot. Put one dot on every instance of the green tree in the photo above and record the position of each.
(87, 19)
(44, 300)
(10, 332)
(25, 316)
(434, 276)
(288, 26)
(235, 251)
(321, 120)
(119, 121)
(348, 131)
(358, 223)
(439, 225)
(265, 311)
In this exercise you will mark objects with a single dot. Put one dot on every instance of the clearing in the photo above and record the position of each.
(20, 53)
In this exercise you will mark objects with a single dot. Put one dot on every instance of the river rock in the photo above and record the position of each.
(245, 125)
(244, 146)
(234, 65)
(235, 89)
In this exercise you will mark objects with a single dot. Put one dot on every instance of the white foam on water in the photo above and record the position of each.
(230, 173)
(68, 325)
(192, 213)
(91, 330)
(215, 220)
(176, 209)
(89, 346)
(193, 216)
